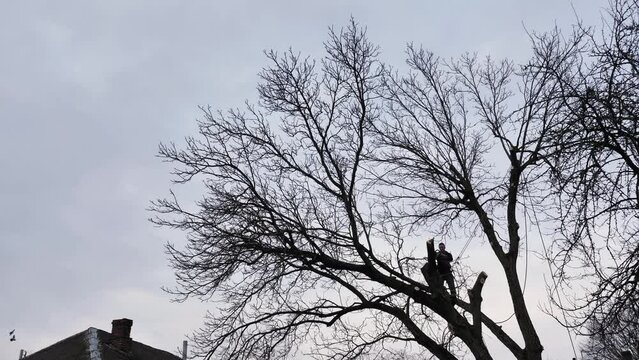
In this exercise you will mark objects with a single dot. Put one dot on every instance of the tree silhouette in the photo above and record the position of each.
(314, 197)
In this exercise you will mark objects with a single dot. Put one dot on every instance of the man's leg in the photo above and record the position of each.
(450, 282)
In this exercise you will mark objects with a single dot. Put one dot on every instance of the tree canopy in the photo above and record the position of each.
(312, 195)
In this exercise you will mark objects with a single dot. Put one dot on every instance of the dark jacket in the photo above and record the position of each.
(444, 258)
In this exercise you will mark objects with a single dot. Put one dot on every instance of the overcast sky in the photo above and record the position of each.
(88, 89)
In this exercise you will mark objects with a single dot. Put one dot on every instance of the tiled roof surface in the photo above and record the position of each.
(94, 344)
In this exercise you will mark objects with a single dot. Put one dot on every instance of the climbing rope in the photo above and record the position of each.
(541, 236)
(463, 250)
(561, 305)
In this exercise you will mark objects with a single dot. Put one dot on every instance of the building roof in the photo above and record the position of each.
(96, 344)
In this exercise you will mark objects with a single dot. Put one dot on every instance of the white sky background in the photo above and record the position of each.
(88, 89)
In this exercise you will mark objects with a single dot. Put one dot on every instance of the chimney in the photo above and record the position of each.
(121, 334)
(185, 345)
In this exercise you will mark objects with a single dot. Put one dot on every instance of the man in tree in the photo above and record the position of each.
(441, 260)
(444, 259)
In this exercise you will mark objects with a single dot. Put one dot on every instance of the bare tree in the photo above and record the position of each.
(312, 194)
(595, 167)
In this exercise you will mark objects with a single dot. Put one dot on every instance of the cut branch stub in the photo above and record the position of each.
(474, 295)
(430, 249)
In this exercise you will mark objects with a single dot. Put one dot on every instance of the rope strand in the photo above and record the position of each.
(561, 306)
